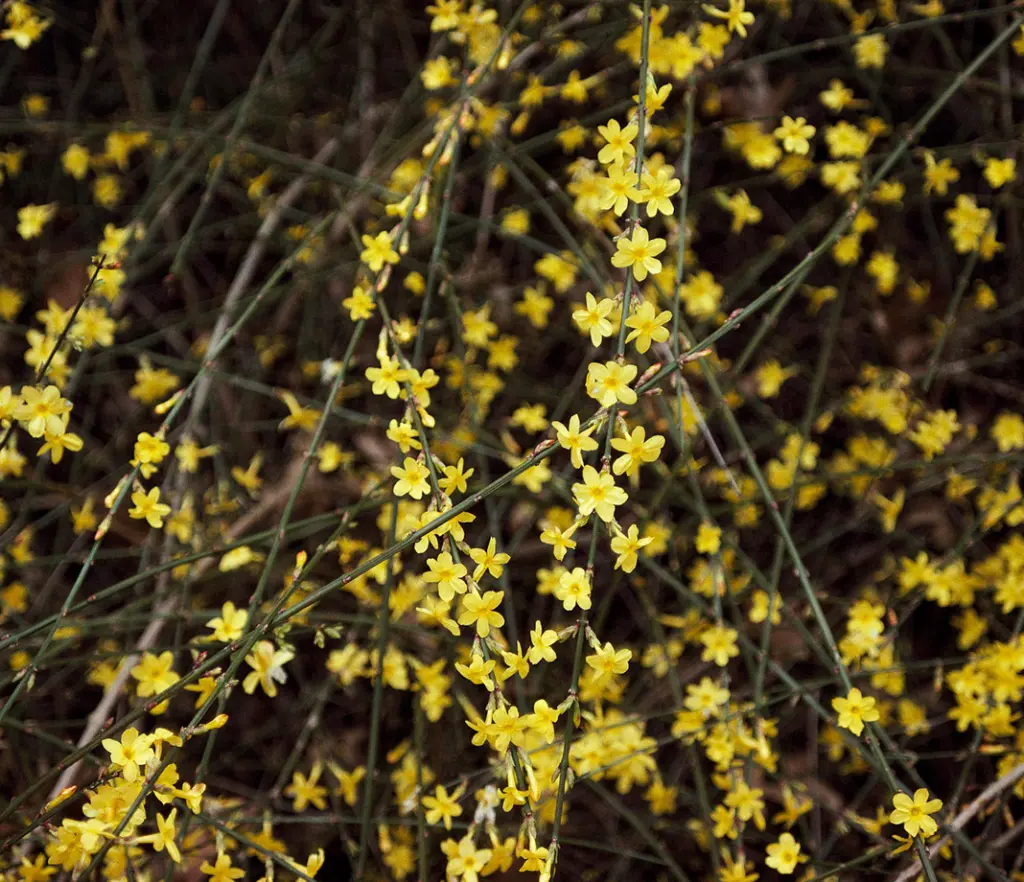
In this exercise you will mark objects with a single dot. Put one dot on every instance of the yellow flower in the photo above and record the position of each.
(609, 382)
(618, 188)
(889, 509)
(784, 855)
(938, 175)
(119, 146)
(155, 674)
(228, 625)
(151, 384)
(593, 318)
(204, 687)
(442, 806)
(648, 326)
(534, 858)
(999, 172)
(83, 519)
(130, 753)
(455, 477)
(388, 377)
(377, 250)
(448, 575)
(770, 376)
(107, 191)
(609, 661)
(794, 134)
(35, 105)
(517, 663)
(743, 211)
(222, 871)
(708, 538)
(573, 589)
(577, 441)
(249, 477)
(164, 837)
(837, 97)
(75, 161)
(24, 27)
(626, 546)
(843, 177)
(1008, 431)
(619, 142)
(55, 445)
(404, 435)
(701, 295)
(855, 710)
(575, 88)
(150, 450)
(347, 781)
(32, 219)
(445, 15)
(636, 449)
(306, 791)
(267, 663)
(489, 560)
(11, 301)
(359, 304)
(535, 306)
(658, 190)
(559, 269)
(915, 814)
(467, 860)
(882, 266)
(870, 51)
(846, 141)
(437, 73)
(639, 253)
(148, 507)
(478, 671)
(598, 493)
(412, 479)
(736, 17)
(735, 870)
(516, 222)
(719, 645)
(481, 611)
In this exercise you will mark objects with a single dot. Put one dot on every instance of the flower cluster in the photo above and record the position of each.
(614, 430)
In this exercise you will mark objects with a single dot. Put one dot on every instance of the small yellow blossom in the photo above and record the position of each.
(75, 161)
(915, 813)
(267, 663)
(736, 17)
(855, 710)
(378, 250)
(784, 855)
(639, 253)
(795, 135)
(147, 506)
(32, 219)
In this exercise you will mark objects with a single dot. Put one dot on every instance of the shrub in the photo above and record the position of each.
(580, 440)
